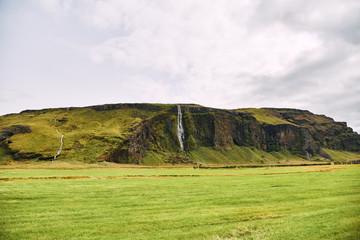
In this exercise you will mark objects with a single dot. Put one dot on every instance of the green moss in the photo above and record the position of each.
(153, 159)
(96, 131)
(5, 157)
(342, 156)
(91, 133)
(240, 155)
(263, 115)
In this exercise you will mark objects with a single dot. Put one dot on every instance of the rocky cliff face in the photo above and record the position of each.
(126, 133)
(304, 134)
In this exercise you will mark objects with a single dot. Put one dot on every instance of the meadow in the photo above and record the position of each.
(313, 202)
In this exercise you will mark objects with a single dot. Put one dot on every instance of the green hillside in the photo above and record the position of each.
(147, 134)
(87, 133)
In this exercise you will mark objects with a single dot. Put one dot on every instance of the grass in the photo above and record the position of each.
(8, 174)
(343, 156)
(264, 115)
(90, 136)
(242, 155)
(305, 203)
(95, 131)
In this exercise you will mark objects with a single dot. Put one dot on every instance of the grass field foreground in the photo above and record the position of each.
(318, 202)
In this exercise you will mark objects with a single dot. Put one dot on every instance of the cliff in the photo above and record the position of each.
(147, 134)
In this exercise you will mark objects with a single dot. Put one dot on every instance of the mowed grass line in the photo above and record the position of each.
(311, 205)
(43, 173)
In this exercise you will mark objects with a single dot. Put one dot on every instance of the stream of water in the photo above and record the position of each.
(61, 140)
(180, 129)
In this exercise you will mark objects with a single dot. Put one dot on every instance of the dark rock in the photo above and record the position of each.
(223, 129)
(14, 129)
(108, 107)
(271, 129)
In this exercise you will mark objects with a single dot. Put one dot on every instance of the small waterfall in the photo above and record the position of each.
(180, 129)
(61, 140)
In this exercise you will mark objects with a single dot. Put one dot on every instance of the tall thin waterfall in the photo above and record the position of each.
(180, 129)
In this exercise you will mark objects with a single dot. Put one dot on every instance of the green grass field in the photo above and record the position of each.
(318, 202)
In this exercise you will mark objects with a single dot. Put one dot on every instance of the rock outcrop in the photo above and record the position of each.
(7, 132)
(127, 133)
(304, 134)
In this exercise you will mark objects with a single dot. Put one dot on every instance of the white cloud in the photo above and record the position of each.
(55, 5)
(228, 53)
(203, 44)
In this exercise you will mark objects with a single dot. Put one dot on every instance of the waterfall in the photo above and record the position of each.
(61, 140)
(180, 129)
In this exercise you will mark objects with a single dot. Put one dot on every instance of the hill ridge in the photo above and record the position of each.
(144, 133)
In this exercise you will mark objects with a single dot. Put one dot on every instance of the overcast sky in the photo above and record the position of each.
(226, 54)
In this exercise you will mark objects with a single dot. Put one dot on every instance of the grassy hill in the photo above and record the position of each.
(147, 134)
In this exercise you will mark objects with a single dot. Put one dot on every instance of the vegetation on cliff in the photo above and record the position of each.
(146, 134)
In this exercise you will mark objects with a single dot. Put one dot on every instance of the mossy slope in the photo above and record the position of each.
(146, 134)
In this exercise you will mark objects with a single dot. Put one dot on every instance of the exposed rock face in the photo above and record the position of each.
(144, 138)
(11, 131)
(223, 129)
(324, 130)
(108, 107)
(14, 129)
(126, 133)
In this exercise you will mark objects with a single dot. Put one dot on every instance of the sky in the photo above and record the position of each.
(228, 54)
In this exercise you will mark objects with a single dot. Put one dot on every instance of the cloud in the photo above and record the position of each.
(54, 5)
(201, 42)
(229, 54)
